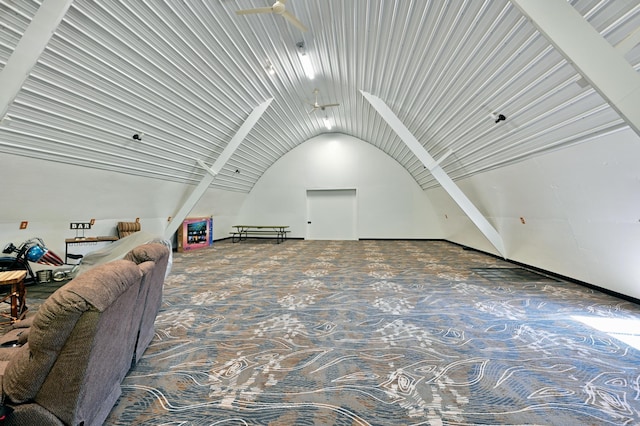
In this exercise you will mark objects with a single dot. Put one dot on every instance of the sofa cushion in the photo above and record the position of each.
(146, 252)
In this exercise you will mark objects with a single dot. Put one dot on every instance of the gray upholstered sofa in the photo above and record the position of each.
(73, 353)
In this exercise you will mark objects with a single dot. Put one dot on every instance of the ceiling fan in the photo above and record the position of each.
(279, 9)
(316, 106)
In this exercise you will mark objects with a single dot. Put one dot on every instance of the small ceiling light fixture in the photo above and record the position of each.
(327, 123)
(270, 69)
(138, 136)
(305, 61)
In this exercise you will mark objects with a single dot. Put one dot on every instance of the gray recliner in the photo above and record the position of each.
(78, 350)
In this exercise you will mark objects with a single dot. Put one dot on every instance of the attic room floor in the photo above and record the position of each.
(380, 332)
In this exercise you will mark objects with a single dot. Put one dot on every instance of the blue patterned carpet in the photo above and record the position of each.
(380, 333)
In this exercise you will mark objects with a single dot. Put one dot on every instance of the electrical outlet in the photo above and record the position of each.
(522, 220)
(24, 224)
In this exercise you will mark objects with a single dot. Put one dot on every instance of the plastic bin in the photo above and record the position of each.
(44, 276)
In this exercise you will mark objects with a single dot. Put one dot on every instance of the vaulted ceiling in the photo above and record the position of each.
(187, 74)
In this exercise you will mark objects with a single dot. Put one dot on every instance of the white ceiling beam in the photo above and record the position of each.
(601, 64)
(29, 48)
(438, 173)
(217, 166)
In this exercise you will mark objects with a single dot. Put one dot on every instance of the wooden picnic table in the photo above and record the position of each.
(242, 232)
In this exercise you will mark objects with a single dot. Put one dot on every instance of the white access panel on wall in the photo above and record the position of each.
(331, 214)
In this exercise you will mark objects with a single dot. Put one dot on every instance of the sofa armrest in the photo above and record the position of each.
(11, 343)
(23, 323)
(12, 338)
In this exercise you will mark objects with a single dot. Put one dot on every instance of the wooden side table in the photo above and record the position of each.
(17, 296)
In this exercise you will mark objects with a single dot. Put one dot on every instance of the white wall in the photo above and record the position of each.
(581, 207)
(390, 202)
(50, 195)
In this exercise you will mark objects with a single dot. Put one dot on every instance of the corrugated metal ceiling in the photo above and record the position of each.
(187, 73)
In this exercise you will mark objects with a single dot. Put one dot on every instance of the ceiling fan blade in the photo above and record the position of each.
(330, 105)
(252, 11)
(289, 17)
(313, 110)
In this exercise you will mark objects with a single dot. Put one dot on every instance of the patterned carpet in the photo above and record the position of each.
(380, 333)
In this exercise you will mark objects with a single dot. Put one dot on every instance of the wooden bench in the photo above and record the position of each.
(242, 232)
